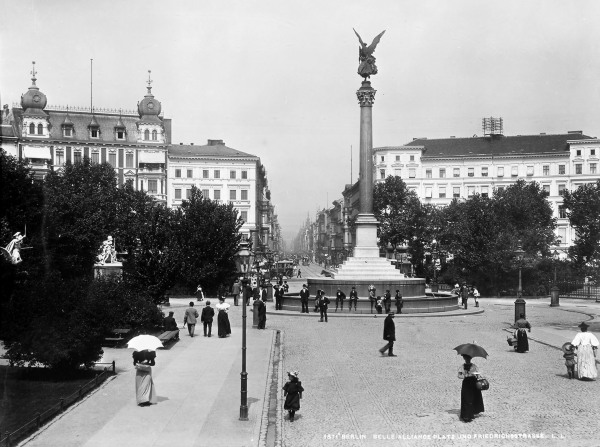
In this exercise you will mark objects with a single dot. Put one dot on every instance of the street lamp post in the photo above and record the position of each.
(434, 255)
(555, 291)
(243, 257)
(519, 302)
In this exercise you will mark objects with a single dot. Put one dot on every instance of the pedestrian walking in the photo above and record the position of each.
(304, 294)
(235, 291)
(586, 344)
(169, 324)
(387, 300)
(353, 299)
(372, 297)
(464, 293)
(262, 313)
(223, 326)
(199, 293)
(476, 296)
(206, 318)
(323, 303)
(145, 392)
(292, 391)
(521, 328)
(247, 292)
(399, 302)
(339, 299)
(569, 356)
(471, 400)
(389, 335)
(299, 274)
(189, 318)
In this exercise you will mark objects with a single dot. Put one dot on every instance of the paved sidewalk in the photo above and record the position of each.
(198, 386)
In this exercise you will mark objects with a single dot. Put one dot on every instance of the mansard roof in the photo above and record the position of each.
(497, 145)
(209, 150)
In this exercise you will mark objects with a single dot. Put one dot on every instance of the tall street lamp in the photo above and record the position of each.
(243, 260)
(434, 257)
(519, 302)
(554, 291)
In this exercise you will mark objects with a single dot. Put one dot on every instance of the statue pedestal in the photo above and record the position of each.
(366, 237)
(116, 268)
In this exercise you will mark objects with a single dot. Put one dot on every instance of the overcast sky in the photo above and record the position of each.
(278, 78)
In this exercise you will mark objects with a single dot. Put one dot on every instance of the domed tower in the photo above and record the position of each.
(35, 120)
(150, 126)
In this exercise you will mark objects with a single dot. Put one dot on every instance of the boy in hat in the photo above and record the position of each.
(569, 355)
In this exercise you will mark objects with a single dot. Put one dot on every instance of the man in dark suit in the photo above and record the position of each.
(339, 299)
(304, 294)
(170, 324)
(263, 293)
(278, 297)
(389, 334)
(322, 304)
(353, 299)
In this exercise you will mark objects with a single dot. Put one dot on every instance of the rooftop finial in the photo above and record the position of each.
(149, 82)
(33, 73)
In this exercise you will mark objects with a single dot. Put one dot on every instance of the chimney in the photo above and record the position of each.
(578, 132)
(216, 143)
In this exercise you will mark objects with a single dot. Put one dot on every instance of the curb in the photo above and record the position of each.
(349, 315)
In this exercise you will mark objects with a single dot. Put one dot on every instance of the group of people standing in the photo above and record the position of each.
(191, 316)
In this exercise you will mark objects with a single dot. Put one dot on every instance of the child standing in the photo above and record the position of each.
(569, 355)
(292, 391)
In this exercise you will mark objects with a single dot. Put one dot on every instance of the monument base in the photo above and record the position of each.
(106, 270)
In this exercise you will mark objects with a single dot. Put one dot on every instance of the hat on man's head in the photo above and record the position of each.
(303, 285)
(584, 325)
(293, 374)
(354, 287)
(171, 312)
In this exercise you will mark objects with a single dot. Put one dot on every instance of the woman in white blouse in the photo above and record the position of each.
(471, 400)
(224, 327)
(586, 344)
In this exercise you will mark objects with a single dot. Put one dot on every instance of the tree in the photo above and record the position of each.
(208, 239)
(583, 211)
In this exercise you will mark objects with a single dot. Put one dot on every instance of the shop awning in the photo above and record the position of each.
(151, 157)
(37, 152)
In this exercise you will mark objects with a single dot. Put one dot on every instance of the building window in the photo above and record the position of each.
(67, 132)
(232, 194)
(205, 173)
(154, 135)
(244, 193)
(244, 174)
(95, 157)
(190, 173)
(40, 129)
(485, 191)
(547, 189)
(500, 171)
(428, 192)
(382, 158)
(412, 158)
(60, 158)
(484, 171)
(442, 172)
(120, 134)
(514, 171)
(232, 175)
(561, 189)
(592, 152)
(146, 134)
(112, 159)
(500, 188)
(529, 170)
(205, 194)
(217, 173)
(442, 192)
(382, 174)
(217, 194)
(578, 168)
(470, 191)
(177, 194)
(153, 186)
(244, 215)
(77, 157)
(456, 172)
(578, 152)
(412, 173)
(562, 212)
(398, 172)
(178, 173)
(593, 168)
(94, 133)
(456, 192)
(397, 157)
(188, 194)
(428, 173)
(471, 172)
(32, 129)
(562, 235)
(129, 160)
(546, 170)
(561, 169)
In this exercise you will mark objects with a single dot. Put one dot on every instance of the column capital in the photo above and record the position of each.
(366, 96)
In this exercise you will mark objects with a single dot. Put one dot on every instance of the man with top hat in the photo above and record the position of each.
(304, 294)
(389, 335)
(339, 299)
(353, 299)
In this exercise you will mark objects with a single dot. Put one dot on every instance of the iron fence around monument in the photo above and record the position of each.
(12, 438)
(579, 289)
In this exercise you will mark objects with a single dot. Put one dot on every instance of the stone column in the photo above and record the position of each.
(366, 224)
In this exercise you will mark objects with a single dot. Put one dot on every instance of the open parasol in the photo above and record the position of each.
(145, 342)
(472, 350)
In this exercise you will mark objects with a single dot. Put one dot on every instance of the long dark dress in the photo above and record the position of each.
(292, 390)
(262, 315)
(522, 326)
(224, 327)
(471, 400)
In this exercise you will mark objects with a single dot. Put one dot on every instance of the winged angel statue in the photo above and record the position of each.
(367, 65)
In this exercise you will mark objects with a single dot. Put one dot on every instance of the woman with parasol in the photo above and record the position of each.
(471, 400)
(586, 344)
(143, 359)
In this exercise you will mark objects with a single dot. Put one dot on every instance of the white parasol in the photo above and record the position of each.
(145, 342)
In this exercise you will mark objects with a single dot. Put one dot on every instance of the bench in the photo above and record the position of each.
(168, 336)
(117, 336)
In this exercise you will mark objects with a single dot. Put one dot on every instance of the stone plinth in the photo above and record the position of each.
(116, 268)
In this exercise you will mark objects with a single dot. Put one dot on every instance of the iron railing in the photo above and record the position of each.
(579, 289)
